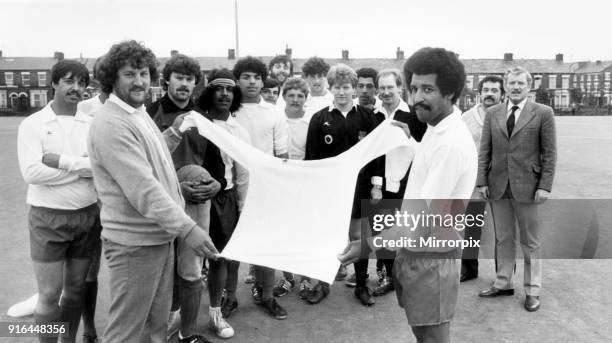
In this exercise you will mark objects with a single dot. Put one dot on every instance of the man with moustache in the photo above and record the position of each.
(268, 131)
(142, 211)
(332, 131)
(220, 99)
(315, 71)
(180, 76)
(426, 278)
(390, 87)
(491, 90)
(516, 167)
(63, 217)
(280, 68)
(366, 88)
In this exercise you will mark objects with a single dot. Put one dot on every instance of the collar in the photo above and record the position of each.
(332, 107)
(124, 106)
(402, 106)
(169, 106)
(48, 115)
(520, 105)
(262, 103)
(448, 122)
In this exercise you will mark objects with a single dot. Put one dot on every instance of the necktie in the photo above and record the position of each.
(511, 120)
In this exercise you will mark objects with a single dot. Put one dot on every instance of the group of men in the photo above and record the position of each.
(167, 198)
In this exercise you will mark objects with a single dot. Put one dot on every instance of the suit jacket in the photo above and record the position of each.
(526, 160)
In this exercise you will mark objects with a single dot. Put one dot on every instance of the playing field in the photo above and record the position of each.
(575, 305)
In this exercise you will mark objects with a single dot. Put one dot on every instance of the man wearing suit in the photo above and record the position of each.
(516, 167)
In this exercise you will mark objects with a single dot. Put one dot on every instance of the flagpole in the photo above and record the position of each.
(236, 21)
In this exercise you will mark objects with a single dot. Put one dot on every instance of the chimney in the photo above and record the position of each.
(58, 55)
(231, 54)
(173, 53)
(345, 55)
(598, 62)
(559, 58)
(508, 57)
(288, 51)
(399, 54)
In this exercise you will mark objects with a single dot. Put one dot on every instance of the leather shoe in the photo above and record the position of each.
(386, 287)
(363, 294)
(318, 293)
(495, 292)
(532, 303)
(467, 277)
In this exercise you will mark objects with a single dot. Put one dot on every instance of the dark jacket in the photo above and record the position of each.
(193, 148)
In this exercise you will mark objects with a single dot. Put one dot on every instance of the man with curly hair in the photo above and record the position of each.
(142, 210)
(180, 76)
(332, 131)
(443, 170)
(280, 68)
(314, 71)
(268, 131)
(220, 99)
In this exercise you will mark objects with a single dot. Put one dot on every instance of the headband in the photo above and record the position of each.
(223, 82)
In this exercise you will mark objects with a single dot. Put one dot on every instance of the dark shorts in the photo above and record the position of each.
(427, 286)
(57, 235)
(223, 217)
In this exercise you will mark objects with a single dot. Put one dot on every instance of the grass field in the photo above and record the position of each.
(575, 306)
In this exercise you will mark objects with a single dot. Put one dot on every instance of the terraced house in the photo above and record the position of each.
(25, 82)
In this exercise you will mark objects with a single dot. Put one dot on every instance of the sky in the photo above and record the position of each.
(580, 30)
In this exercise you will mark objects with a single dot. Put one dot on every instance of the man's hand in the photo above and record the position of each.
(201, 243)
(351, 254)
(206, 190)
(376, 194)
(189, 191)
(51, 160)
(484, 191)
(541, 196)
(177, 124)
(403, 126)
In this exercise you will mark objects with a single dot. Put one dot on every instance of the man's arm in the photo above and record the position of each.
(548, 149)
(484, 156)
(30, 155)
(117, 148)
(281, 136)
(312, 138)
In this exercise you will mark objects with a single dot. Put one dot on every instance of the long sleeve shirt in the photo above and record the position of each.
(331, 133)
(136, 181)
(69, 186)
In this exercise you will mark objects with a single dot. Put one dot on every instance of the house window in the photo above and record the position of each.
(25, 79)
(38, 98)
(42, 79)
(565, 82)
(607, 76)
(469, 82)
(8, 78)
(3, 100)
(552, 81)
(537, 81)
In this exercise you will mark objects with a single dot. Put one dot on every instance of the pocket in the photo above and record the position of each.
(537, 169)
